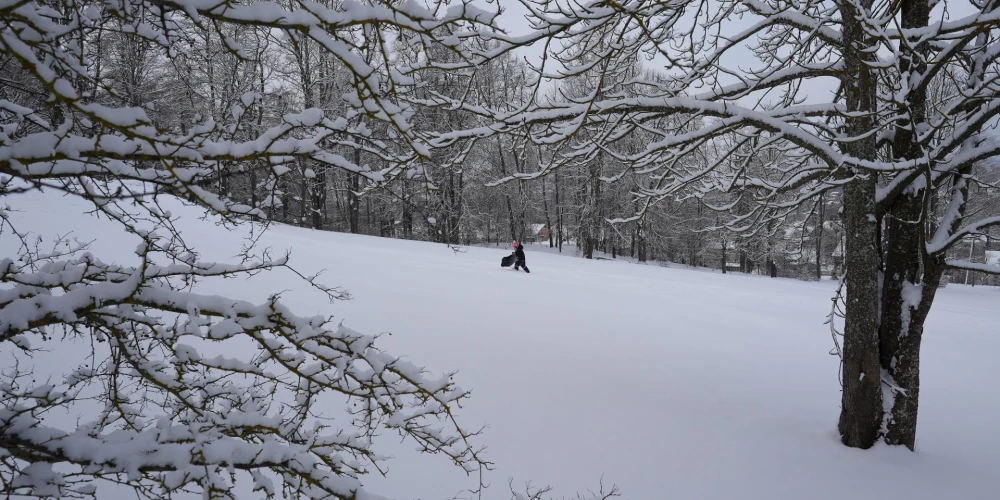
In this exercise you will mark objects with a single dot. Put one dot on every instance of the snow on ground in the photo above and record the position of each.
(668, 382)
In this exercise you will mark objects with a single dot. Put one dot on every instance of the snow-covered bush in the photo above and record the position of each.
(175, 391)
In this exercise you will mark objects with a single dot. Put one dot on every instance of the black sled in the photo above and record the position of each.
(508, 260)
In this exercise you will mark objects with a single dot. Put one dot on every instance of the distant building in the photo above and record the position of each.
(993, 258)
(538, 232)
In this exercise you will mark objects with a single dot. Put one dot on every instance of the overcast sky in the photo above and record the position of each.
(513, 21)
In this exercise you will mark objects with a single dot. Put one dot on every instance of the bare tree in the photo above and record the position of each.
(893, 152)
(171, 415)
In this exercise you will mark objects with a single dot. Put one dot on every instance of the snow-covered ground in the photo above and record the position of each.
(670, 383)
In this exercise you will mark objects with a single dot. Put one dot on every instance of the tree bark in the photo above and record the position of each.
(407, 216)
(640, 237)
(319, 198)
(545, 206)
(902, 317)
(861, 400)
(819, 237)
(861, 405)
(353, 203)
(459, 207)
(522, 221)
(303, 194)
(723, 263)
(506, 194)
(559, 216)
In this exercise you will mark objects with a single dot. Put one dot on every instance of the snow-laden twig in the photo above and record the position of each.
(531, 492)
(837, 310)
(178, 391)
(180, 408)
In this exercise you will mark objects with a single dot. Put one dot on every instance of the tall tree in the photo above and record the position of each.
(893, 154)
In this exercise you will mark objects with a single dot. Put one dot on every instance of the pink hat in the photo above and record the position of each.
(515, 243)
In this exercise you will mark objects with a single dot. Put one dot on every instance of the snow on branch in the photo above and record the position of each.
(93, 139)
(943, 241)
(156, 387)
(973, 266)
(193, 387)
(665, 123)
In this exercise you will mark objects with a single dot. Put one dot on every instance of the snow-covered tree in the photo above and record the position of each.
(178, 391)
(889, 103)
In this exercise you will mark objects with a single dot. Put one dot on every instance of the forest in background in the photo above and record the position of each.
(458, 199)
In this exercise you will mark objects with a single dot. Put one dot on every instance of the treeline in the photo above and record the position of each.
(480, 192)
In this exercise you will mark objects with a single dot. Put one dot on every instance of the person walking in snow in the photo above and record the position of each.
(519, 253)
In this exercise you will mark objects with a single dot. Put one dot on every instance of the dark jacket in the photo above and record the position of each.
(519, 252)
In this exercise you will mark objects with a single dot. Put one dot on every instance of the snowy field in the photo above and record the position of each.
(670, 383)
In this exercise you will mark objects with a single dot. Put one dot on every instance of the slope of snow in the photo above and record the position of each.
(667, 382)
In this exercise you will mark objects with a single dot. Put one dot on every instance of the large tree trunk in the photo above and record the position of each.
(905, 289)
(861, 402)
(902, 281)
(861, 405)
(904, 366)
